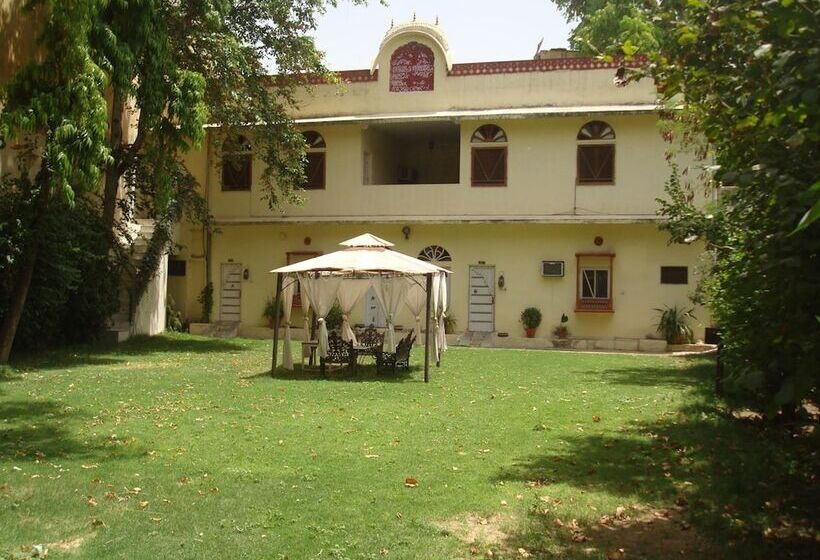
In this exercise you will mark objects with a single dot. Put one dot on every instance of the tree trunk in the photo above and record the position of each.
(19, 293)
(114, 171)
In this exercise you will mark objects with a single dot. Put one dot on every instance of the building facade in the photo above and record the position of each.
(534, 181)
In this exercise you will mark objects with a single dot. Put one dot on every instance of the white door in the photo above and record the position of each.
(373, 314)
(230, 292)
(482, 299)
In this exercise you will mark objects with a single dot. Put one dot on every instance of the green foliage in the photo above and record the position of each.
(450, 323)
(611, 27)
(55, 105)
(76, 287)
(206, 299)
(270, 310)
(173, 317)
(334, 317)
(531, 317)
(673, 324)
(748, 73)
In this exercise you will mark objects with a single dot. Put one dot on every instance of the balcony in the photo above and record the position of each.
(420, 153)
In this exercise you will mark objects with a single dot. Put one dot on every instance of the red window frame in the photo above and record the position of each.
(593, 305)
(315, 171)
(591, 171)
(488, 179)
(237, 165)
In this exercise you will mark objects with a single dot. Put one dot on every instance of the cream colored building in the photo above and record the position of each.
(534, 181)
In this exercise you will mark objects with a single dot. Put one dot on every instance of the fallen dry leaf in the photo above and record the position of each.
(143, 504)
(411, 482)
(91, 501)
(617, 554)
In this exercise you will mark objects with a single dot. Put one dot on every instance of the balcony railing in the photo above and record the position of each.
(594, 305)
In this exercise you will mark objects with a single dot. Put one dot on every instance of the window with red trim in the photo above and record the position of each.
(489, 156)
(237, 164)
(314, 160)
(596, 154)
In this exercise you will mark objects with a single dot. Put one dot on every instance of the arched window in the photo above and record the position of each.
(439, 256)
(489, 156)
(237, 164)
(596, 154)
(315, 160)
(435, 254)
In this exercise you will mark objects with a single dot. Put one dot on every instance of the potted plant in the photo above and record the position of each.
(673, 324)
(450, 323)
(531, 318)
(270, 311)
(561, 333)
(334, 318)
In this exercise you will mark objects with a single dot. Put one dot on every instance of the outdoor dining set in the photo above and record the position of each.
(368, 342)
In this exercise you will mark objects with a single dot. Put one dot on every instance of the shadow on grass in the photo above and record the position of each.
(43, 430)
(363, 373)
(746, 489)
(110, 354)
(696, 372)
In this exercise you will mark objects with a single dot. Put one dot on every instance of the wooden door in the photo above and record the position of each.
(482, 299)
(230, 292)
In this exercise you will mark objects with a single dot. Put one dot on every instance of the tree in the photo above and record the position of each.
(610, 27)
(748, 73)
(54, 109)
(178, 65)
(742, 77)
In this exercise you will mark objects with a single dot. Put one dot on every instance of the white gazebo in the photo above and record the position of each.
(346, 275)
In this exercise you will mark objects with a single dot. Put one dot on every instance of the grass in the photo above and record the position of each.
(185, 447)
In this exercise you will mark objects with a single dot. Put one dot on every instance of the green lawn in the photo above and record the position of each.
(185, 447)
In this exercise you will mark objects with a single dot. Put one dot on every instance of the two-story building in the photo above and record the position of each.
(534, 181)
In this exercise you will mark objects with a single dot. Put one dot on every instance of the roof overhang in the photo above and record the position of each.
(480, 114)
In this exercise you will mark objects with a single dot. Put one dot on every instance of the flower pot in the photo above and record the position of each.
(530, 332)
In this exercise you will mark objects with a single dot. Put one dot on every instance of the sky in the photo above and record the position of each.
(476, 30)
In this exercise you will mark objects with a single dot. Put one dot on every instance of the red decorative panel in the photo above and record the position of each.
(543, 65)
(412, 68)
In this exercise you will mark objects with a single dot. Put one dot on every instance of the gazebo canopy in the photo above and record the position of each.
(366, 255)
(365, 261)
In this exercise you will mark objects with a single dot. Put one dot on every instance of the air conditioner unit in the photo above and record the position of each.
(552, 268)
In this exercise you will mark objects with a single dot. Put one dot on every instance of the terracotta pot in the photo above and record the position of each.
(530, 332)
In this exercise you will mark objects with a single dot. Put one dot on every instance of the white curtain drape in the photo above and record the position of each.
(439, 305)
(390, 295)
(416, 300)
(441, 345)
(306, 315)
(321, 291)
(350, 292)
(288, 289)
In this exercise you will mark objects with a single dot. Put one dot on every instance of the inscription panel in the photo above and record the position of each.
(412, 67)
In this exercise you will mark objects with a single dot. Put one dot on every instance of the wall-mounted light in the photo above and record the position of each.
(308, 240)
(406, 231)
(246, 274)
(598, 240)
(501, 281)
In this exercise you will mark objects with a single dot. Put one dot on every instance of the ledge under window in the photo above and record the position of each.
(593, 305)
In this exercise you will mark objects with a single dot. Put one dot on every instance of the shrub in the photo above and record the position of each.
(269, 312)
(673, 324)
(334, 317)
(206, 299)
(76, 283)
(531, 317)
